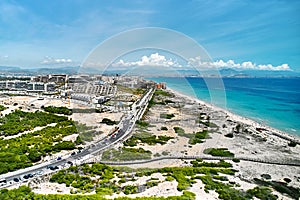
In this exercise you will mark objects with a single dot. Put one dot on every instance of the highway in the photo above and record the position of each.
(76, 158)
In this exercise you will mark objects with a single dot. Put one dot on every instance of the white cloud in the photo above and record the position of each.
(154, 59)
(242, 66)
(49, 61)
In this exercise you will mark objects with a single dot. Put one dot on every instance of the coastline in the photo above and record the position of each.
(244, 120)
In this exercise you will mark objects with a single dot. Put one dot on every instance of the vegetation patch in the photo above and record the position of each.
(108, 121)
(78, 178)
(58, 110)
(2, 108)
(178, 130)
(142, 124)
(167, 116)
(21, 152)
(19, 121)
(198, 137)
(24, 192)
(147, 138)
(281, 187)
(221, 164)
(163, 128)
(194, 138)
(222, 152)
(134, 91)
(163, 93)
(86, 133)
(126, 154)
(262, 193)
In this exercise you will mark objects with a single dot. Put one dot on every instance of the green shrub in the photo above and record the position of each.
(167, 116)
(142, 123)
(163, 128)
(222, 152)
(58, 110)
(178, 129)
(262, 193)
(108, 121)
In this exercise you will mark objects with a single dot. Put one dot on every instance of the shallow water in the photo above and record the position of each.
(272, 101)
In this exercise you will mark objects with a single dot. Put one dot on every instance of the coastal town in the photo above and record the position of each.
(114, 136)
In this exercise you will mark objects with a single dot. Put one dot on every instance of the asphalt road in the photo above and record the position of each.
(79, 157)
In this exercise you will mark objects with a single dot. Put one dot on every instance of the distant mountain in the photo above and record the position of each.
(9, 69)
(268, 73)
(225, 72)
(62, 70)
(40, 71)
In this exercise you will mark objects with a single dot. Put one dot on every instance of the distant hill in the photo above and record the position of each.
(33, 71)
(225, 72)
(9, 69)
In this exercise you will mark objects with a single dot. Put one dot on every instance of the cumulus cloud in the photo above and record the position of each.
(248, 65)
(154, 59)
(49, 61)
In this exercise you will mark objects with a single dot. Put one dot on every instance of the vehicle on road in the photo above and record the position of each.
(16, 179)
(3, 181)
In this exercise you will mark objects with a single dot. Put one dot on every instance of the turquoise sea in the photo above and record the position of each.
(272, 101)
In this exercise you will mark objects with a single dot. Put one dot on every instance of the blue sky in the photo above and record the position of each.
(50, 33)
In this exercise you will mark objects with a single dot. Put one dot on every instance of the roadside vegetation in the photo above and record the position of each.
(25, 193)
(142, 124)
(86, 133)
(23, 151)
(106, 180)
(20, 121)
(102, 179)
(159, 98)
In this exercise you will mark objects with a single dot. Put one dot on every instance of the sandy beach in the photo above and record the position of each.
(253, 141)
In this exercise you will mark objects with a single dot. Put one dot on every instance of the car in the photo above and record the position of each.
(72, 154)
(3, 181)
(16, 179)
(70, 163)
(25, 177)
(59, 158)
(30, 175)
(40, 172)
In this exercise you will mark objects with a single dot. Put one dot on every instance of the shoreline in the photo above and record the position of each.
(247, 121)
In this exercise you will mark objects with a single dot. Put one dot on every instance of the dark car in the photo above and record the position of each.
(59, 158)
(54, 167)
(16, 179)
(72, 154)
(70, 163)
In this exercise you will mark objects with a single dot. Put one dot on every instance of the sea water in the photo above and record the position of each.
(272, 101)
